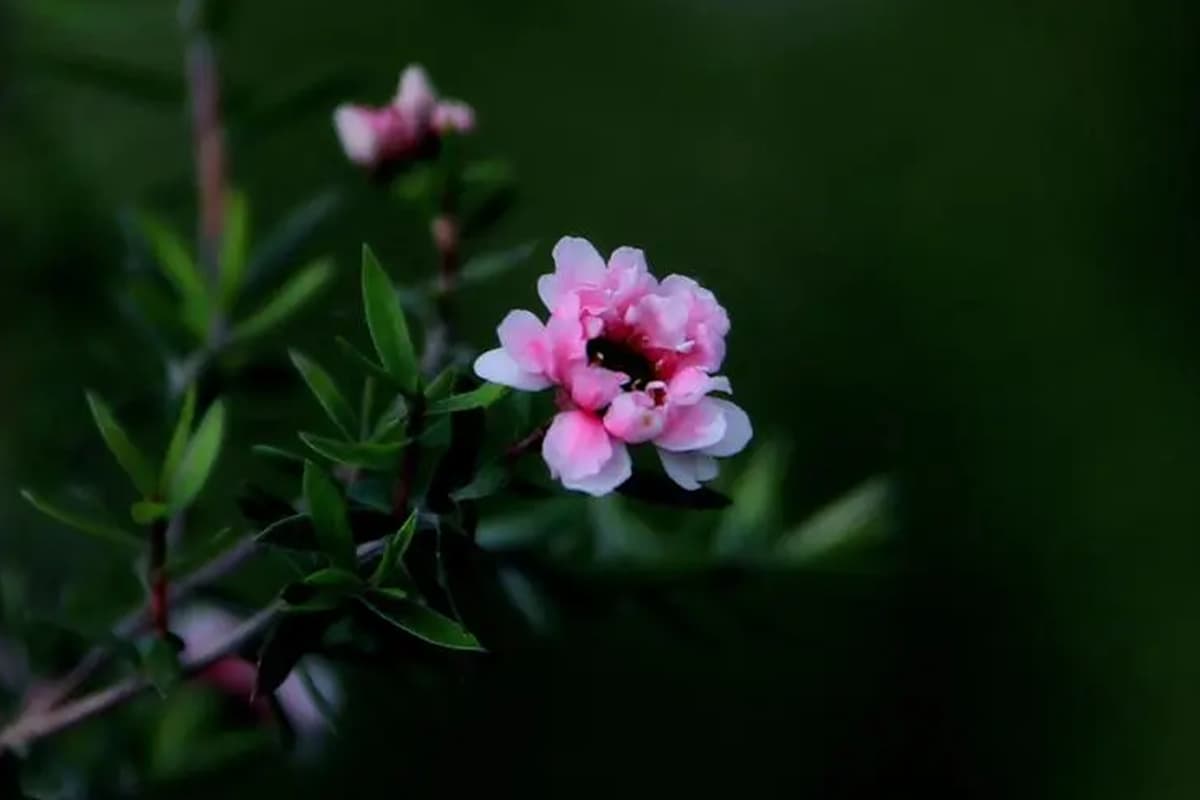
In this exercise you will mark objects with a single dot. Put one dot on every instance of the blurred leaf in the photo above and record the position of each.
(234, 248)
(262, 507)
(484, 267)
(179, 439)
(393, 554)
(271, 451)
(856, 520)
(161, 664)
(136, 466)
(366, 407)
(198, 459)
(278, 249)
(652, 487)
(440, 387)
(389, 330)
(421, 622)
(328, 513)
(364, 361)
(334, 578)
(144, 512)
(179, 268)
(291, 638)
(131, 81)
(287, 302)
(489, 480)
(482, 397)
(199, 554)
(753, 516)
(327, 393)
(298, 532)
(372, 455)
(96, 529)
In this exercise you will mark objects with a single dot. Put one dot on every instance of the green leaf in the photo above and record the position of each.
(393, 554)
(179, 439)
(385, 319)
(282, 454)
(201, 553)
(287, 302)
(161, 664)
(441, 386)
(327, 393)
(290, 639)
(371, 455)
(364, 361)
(179, 268)
(328, 512)
(95, 529)
(489, 480)
(859, 518)
(491, 265)
(278, 248)
(123, 449)
(421, 622)
(366, 408)
(482, 397)
(234, 249)
(334, 578)
(145, 512)
(198, 459)
(651, 487)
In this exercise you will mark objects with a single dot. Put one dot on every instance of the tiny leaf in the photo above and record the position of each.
(364, 361)
(123, 449)
(421, 622)
(491, 265)
(234, 247)
(287, 302)
(393, 554)
(328, 512)
(862, 516)
(326, 392)
(371, 455)
(179, 439)
(441, 386)
(489, 480)
(482, 397)
(179, 268)
(385, 319)
(95, 529)
(198, 459)
(145, 512)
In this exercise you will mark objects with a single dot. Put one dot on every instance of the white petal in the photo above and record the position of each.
(577, 258)
(688, 469)
(615, 471)
(738, 430)
(498, 366)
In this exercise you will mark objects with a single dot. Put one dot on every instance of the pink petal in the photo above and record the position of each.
(661, 319)
(524, 338)
(692, 383)
(688, 469)
(693, 427)
(453, 116)
(567, 346)
(358, 134)
(738, 430)
(615, 471)
(498, 366)
(576, 446)
(634, 418)
(577, 266)
(415, 95)
(593, 388)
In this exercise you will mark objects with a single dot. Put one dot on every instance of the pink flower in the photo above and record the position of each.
(407, 128)
(634, 361)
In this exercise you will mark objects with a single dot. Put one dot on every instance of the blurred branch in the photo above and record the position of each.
(37, 723)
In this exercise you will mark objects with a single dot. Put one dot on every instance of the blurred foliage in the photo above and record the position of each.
(958, 246)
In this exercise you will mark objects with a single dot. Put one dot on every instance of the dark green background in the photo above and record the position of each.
(956, 241)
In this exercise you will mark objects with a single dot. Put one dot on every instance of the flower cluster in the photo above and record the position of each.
(409, 127)
(633, 359)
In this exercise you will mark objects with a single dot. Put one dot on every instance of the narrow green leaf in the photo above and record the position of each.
(334, 578)
(161, 664)
(859, 518)
(364, 361)
(234, 248)
(145, 512)
(293, 637)
(287, 302)
(482, 397)
(198, 459)
(393, 554)
(179, 439)
(371, 455)
(422, 622)
(94, 528)
(179, 268)
(489, 480)
(484, 267)
(366, 408)
(201, 553)
(328, 512)
(136, 465)
(385, 319)
(282, 454)
(327, 393)
(440, 387)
